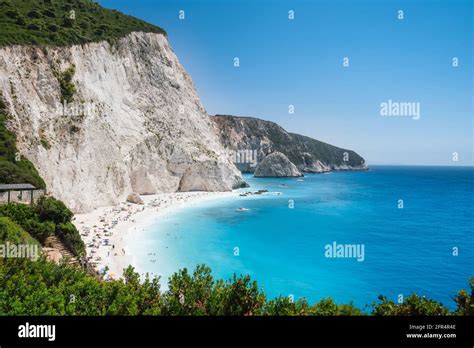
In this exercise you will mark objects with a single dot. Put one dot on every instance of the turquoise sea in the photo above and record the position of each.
(406, 250)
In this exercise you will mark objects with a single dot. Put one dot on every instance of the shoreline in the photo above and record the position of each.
(105, 229)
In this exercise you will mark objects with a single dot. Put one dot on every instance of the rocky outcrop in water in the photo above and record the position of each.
(276, 165)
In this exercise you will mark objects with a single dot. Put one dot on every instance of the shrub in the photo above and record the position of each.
(68, 22)
(283, 306)
(53, 27)
(66, 84)
(19, 213)
(105, 28)
(34, 14)
(43, 288)
(84, 25)
(12, 173)
(32, 175)
(13, 233)
(21, 21)
(52, 209)
(413, 305)
(328, 307)
(199, 294)
(189, 294)
(239, 296)
(33, 26)
(465, 301)
(69, 235)
(25, 216)
(7, 138)
(12, 14)
(49, 13)
(49, 216)
(99, 32)
(39, 230)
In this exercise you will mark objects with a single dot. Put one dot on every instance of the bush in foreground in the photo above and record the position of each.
(465, 301)
(11, 232)
(44, 288)
(47, 217)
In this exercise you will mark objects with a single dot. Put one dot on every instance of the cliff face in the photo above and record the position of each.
(309, 155)
(134, 122)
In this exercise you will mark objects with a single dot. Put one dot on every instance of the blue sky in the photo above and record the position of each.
(299, 62)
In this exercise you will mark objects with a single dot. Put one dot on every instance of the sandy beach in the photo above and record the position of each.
(104, 230)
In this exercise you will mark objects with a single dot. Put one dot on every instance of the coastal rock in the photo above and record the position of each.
(134, 198)
(216, 179)
(276, 165)
(135, 123)
(250, 139)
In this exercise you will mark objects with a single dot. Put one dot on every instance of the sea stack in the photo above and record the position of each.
(276, 165)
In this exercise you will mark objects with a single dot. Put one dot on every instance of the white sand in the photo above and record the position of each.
(104, 229)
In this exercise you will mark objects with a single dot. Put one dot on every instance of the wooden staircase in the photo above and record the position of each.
(56, 243)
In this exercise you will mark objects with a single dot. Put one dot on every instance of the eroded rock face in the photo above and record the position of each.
(135, 123)
(276, 165)
(253, 139)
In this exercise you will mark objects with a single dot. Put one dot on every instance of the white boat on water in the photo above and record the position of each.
(243, 209)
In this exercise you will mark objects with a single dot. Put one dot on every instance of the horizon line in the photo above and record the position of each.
(419, 165)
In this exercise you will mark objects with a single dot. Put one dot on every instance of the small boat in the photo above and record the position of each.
(243, 209)
(299, 180)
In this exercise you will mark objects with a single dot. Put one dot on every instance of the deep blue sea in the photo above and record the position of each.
(405, 250)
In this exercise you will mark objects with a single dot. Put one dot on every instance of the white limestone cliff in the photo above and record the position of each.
(136, 124)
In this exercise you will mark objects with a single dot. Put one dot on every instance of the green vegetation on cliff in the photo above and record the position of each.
(14, 168)
(66, 85)
(47, 217)
(64, 22)
(11, 232)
